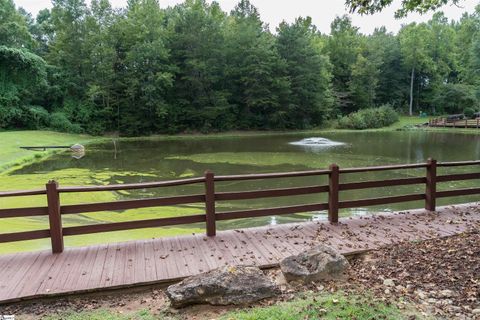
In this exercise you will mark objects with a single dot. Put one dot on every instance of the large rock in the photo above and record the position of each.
(319, 263)
(223, 286)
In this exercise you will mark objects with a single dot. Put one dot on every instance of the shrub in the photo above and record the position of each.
(469, 113)
(369, 118)
(388, 115)
(38, 117)
(60, 122)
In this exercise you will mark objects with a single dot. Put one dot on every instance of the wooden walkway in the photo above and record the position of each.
(117, 265)
(444, 123)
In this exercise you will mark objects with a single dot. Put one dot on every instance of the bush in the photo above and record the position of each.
(60, 122)
(469, 113)
(38, 117)
(369, 118)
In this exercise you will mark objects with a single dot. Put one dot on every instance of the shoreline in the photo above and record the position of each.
(406, 124)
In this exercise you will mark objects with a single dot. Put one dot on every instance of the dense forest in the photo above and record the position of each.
(193, 67)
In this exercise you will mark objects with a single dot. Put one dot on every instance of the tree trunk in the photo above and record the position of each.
(411, 91)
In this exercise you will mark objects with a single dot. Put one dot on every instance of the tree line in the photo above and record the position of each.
(193, 67)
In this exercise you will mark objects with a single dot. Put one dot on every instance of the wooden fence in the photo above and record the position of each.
(55, 210)
(444, 122)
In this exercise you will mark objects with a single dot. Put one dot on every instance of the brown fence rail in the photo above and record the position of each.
(55, 210)
(446, 123)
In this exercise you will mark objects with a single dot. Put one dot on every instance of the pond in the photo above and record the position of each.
(175, 158)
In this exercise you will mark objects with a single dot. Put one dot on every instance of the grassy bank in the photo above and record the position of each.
(11, 155)
(327, 306)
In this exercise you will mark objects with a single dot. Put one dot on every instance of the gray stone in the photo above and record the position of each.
(319, 263)
(223, 286)
(389, 282)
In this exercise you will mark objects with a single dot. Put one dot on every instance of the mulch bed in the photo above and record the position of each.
(441, 276)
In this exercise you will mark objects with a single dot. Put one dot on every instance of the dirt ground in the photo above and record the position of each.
(440, 278)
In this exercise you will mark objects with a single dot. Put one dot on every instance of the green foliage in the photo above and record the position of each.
(257, 80)
(454, 98)
(200, 99)
(392, 75)
(144, 69)
(342, 48)
(469, 113)
(369, 118)
(420, 6)
(22, 76)
(364, 81)
(20, 69)
(13, 26)
(37, 117)
(310, 98)
(60, 122)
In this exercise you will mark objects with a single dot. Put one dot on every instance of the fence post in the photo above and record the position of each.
(210, 203)
(333, 181)
(431, 186)
(54, 216)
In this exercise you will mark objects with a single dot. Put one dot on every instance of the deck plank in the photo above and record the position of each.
(46, 285)
(13, 282)
(35, 280)
(129, 268)
(139, 261)
(28, 277)
(87, 267)
(150, 267)
(175, 258)
(165, 270)
(39, 274)
(107, 276)
(78, 270)
(97, 268)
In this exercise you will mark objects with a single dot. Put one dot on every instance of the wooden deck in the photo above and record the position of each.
(117, 265)
(444, 123)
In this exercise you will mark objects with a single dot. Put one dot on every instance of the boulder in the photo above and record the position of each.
(223, 286)
(319, 263)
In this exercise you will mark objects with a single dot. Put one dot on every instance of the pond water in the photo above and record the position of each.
(165, 159)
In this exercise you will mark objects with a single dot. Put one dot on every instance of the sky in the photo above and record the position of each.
(322, 12)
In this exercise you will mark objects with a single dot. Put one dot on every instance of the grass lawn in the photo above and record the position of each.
(334, 306)
(406, 121)
(106, 315)
(11, 141)
(304, 306)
